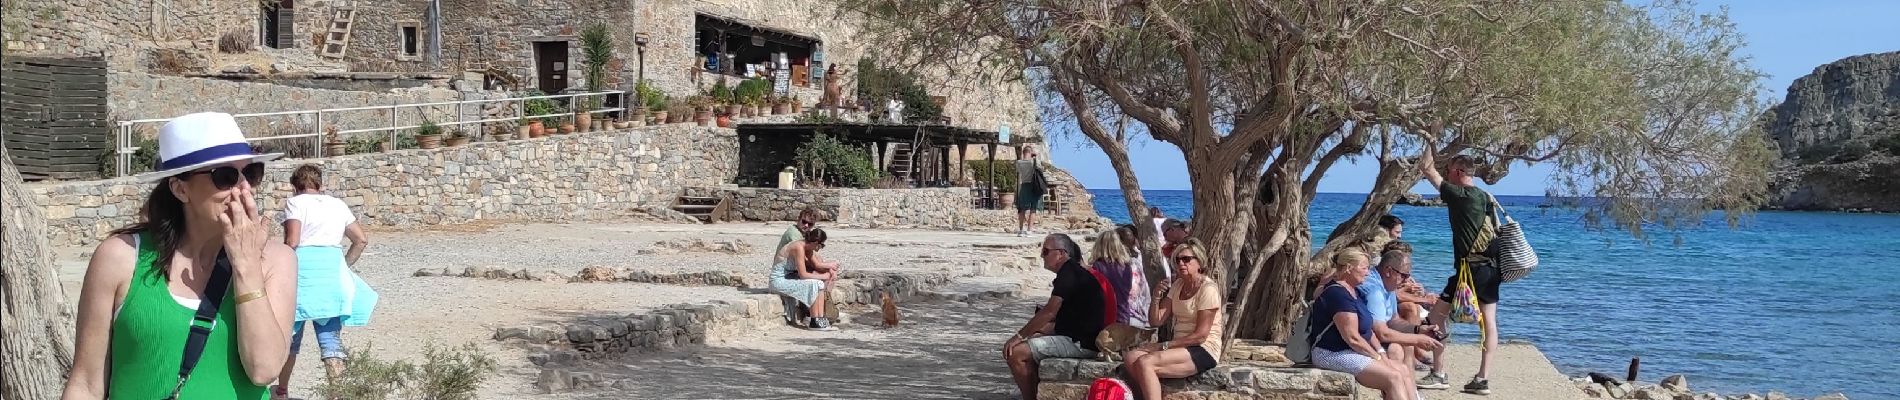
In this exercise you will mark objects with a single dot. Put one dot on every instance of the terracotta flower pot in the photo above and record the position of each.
(428, 142)
(732, 110)
(567, 128)
(781, 109)
(584, 122)
(535, 129)
(725, 121)
(659, 118)
(703, 116)
(333, 149)
(457, 141)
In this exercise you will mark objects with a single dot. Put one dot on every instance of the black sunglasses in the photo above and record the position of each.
(1184, 259)
(225, 177)
(1045, 251)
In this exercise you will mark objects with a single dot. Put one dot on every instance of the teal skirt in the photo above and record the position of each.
(327, 288)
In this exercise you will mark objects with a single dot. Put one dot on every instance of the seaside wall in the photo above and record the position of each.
(557, 178)
(925, 208)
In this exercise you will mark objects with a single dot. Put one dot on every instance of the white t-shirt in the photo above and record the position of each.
(322, 217)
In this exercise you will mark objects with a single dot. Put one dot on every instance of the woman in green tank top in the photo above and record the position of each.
(145, 282)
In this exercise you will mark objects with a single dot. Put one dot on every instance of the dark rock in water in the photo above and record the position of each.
(1415, 199)
(1838, 132)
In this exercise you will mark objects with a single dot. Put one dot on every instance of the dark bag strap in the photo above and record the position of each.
(204, 321)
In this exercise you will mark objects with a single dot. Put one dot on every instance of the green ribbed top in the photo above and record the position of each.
(148, 340)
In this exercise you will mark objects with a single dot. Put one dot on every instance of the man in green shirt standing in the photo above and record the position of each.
(1471, 233)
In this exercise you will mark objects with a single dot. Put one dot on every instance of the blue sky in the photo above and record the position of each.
(1786, 40)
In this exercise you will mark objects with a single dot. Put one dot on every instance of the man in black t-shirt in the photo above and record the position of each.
(1471, 232)
(1076, 307)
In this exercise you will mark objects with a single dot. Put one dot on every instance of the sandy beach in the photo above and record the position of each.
(943, 349)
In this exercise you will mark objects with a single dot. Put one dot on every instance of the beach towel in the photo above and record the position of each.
(327, 288)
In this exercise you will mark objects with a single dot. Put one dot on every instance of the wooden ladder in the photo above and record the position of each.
(336, 40)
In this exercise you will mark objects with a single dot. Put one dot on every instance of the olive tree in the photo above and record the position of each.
(1645, 108)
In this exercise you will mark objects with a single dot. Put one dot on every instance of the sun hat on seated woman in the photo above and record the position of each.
(199, 140)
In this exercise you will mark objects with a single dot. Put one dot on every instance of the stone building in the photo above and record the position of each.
(467, 49)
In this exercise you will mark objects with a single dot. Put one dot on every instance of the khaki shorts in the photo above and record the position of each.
(1041, 347)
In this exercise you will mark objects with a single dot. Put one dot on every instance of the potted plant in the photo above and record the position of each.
(797, 104)
(723, 98)
(781, 105)
(583, 120)
(429, 135)
(333, 144)
(702, 109)
(458, 137)
(679, 111)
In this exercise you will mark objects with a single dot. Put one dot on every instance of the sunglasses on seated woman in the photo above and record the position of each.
(225, 177)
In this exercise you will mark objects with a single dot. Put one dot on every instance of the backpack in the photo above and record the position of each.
(1299, 345)
(1109, 389)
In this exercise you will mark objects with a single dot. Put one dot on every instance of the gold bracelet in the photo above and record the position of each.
(247, 297)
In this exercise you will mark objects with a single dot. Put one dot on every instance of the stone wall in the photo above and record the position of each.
(1069, 379)
(122, 31)
(926, 208)
(144, 96)
(557, 178)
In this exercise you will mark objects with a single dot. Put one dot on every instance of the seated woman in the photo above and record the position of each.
(1195, 307)
(1343, 339)
(1131, 287)
(803, 276)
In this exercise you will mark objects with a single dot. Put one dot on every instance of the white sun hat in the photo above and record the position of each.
(199, 140)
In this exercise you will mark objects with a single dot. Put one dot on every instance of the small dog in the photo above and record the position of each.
(1118, 338)
(890, 309)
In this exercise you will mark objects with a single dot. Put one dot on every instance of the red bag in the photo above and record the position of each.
(1109, 389)
(1112, 303)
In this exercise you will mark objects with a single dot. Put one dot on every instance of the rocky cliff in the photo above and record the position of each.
(1838, 132)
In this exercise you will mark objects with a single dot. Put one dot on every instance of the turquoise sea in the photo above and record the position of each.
(1801, 302)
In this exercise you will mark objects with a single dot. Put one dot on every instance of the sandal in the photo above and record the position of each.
(279, 392)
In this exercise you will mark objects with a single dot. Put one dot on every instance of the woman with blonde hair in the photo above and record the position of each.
(1195, 308)
(1112, 258)
(1341, 332)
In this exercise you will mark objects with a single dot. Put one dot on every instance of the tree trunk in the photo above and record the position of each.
(36, 327)
(1272, 298)
(1212, 180)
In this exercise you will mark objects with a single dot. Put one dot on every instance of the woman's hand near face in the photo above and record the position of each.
(244, 233)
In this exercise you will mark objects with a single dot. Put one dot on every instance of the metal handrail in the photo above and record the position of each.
(125, 131)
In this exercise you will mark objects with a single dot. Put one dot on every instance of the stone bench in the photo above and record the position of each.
(1254, 370)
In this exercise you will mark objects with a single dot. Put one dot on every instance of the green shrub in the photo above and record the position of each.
(1005, 172)
(721, 94)
(143, 160)
(752, 91)
(878, 83)
(428, 128)
(652, 97)
(445, 374)
(825, 156)
(542, 106)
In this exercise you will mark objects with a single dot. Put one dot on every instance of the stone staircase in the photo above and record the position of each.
(706, 209)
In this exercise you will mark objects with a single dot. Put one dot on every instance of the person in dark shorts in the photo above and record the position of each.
(1066, 326)
(1196, 310)
(1030, 187)
(1471, 232)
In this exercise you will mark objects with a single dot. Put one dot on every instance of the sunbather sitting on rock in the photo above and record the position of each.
(1342, 329)
(1066, 326)
(1195, 308)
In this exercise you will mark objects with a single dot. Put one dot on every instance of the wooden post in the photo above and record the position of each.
(881, 163)
(989, 178)
(943, 169)
(963, 153)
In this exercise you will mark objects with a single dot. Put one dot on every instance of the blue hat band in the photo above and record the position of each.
(207, 154)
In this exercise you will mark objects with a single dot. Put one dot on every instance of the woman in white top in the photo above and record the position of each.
(330, 295)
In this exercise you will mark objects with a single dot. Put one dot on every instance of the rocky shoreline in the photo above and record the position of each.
(1673, 387)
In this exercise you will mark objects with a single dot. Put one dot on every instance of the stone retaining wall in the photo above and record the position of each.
(1069, 379)
(557, 178)
(925, 208)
